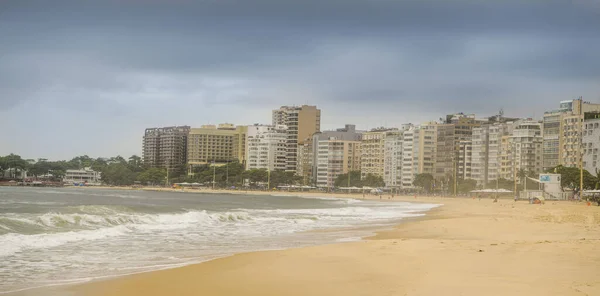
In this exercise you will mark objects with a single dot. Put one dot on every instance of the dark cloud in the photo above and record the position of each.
(151, 63)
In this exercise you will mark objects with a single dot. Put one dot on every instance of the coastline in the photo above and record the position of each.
(466, 247)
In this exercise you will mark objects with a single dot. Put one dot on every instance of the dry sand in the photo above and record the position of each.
(466, 247)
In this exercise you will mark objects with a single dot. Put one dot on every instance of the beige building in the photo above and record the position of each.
(219, 144)
(373, 151)
(562, 129)
(521, 150)
(427, 148)
(305, 161)
(165, 147)
(302, 122)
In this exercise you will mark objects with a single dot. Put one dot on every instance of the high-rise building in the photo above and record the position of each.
(521, 150)
(445, 152)
(410, 155)
(562, 129)
(465, 155)
(216, 144)
(486, 149)
(165, 147)
(591, 142)
(392, 163)
(266, 147)
(373, 151)
(334, 153)
(427, 148)
(301, 123)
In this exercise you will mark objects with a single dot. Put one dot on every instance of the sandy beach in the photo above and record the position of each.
(466, 247)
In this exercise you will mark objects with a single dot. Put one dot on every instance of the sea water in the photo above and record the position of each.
(68, 235)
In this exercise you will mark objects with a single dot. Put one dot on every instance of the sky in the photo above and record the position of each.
(87, 77)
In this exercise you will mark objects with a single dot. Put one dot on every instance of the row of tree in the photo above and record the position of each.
(570, 179)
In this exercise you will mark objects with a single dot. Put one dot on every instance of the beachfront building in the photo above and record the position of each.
(305, 161)
(562, 129)
(216, 144)
(84, 176)
(373, 151)
(334, 153)
(521, 150)
(427, 147)
(392, 162)
(301, 122)
(464, 165)
(165, 147)
(445, 153)
(411, 142)
(591, 143)
(486, 150)
(266, 147)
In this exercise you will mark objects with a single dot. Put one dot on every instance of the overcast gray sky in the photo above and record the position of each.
(87, 77)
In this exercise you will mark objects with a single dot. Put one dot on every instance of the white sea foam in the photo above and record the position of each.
(69, 242)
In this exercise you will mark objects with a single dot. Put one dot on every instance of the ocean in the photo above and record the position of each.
(69, 235)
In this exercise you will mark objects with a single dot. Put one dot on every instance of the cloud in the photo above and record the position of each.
(112, 68)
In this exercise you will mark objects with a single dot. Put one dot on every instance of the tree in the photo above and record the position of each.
(342, 180)
(118, 174)
(424, 181)
(256, 175)
(283, 178)
(153, 176)
(371, 180)
(570, 177)
(502, 184)
(135, 163)
(464, 185)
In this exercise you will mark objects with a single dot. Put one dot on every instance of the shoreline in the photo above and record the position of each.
(62, 286)
(541, 237)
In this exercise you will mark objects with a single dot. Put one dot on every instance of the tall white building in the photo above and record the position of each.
(267, 147)
(394, 156)
(410, 156)
(522, 150)
(591, 145)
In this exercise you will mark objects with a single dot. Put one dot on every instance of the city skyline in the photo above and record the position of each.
(87, 78)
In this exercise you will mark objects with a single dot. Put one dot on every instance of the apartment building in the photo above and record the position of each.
(522, 150)
(486, 151)
(373, 151)
(266, 147)
(445, 152)
(301, 123)
(465, 163)
(392, 163)
(427, 148)
(591, 143)
(562, 129)
(334, 153)
(410, 156)
(219, 144)
(305, 161)
(165, 147)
